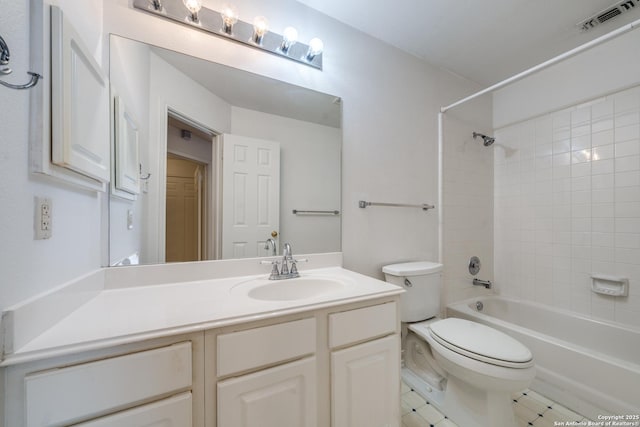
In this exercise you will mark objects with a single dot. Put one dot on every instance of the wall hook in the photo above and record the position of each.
(5, 57)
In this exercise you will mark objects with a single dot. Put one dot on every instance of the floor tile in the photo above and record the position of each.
(412, 419)
(404, 407)
(431, 414)
(533, 404)
(524, 413)
(414, 400)
(540, 398)
(446, 423)
(404, 388)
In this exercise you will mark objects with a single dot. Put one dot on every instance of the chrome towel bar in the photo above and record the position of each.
(363, 204)
(298, 212)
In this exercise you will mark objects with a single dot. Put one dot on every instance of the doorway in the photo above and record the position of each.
(189, 198)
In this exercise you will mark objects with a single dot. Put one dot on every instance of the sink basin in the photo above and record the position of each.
(291, 289)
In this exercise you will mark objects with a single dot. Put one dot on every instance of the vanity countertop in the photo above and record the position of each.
(117, 316)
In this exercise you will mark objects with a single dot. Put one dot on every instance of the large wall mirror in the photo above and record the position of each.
(212, 162)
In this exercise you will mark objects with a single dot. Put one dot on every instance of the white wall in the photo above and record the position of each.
(31, 266)
(309, 176)
(567, 190)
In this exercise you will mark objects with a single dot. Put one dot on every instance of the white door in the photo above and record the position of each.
(284, 396)
(365, 384)
(250, 195)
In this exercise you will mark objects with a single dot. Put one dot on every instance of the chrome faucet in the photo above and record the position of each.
(271, 243)
(287, 258)
(485, 283)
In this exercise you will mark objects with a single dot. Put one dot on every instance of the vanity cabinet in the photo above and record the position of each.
(330, 366)
(340, 367)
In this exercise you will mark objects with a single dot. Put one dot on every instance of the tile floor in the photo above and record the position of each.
(531, 409)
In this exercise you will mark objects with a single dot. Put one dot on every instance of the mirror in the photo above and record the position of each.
(212, 162)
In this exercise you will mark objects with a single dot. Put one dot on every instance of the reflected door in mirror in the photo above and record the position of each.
(250, 195)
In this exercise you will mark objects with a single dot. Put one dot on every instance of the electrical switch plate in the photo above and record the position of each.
(129, 219)
(43, 218)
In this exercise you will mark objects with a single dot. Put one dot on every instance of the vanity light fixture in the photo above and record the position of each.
(260, 28)
(226, 23)
(193, 6)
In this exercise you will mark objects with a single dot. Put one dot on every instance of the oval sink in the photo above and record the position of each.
(293, 289)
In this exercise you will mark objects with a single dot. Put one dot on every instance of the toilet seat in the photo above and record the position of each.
(481, 343)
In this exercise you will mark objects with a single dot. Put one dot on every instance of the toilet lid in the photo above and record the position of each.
(481, 342)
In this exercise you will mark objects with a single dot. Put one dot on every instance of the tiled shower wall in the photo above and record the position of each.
(567, 204)
(467, 222)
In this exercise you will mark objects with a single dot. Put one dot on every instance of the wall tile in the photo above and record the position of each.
(570, 205)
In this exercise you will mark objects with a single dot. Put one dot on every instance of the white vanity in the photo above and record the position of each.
(142, 348)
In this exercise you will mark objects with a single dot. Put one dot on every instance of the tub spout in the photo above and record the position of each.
(485, 283)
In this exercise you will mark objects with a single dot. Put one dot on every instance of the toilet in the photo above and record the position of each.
(466, 369)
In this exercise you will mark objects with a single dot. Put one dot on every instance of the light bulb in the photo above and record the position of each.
(315, 48)
(194, 7)
(260, 28)
(289, 38)
(229, 17)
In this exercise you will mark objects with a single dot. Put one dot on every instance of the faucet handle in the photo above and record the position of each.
(274, 267)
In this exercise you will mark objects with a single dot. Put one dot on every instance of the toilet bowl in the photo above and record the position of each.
(466, 369)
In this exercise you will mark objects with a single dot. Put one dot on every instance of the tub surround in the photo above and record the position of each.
(128, 304)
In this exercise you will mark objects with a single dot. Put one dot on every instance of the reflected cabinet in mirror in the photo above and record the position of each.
(212, 162)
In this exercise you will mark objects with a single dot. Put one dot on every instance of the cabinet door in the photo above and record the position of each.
(79, 104)
(171, 412)
(284, 396)
(365, 384)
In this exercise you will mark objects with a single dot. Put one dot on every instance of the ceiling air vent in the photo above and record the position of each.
(609, 13)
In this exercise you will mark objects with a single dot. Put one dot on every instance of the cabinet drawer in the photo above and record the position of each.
(172, 412)
(80, 392)
(253, 348)
(362, 324)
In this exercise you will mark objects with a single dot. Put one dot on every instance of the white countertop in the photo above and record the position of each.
(117, 316)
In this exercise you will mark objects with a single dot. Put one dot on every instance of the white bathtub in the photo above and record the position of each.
(590, 366)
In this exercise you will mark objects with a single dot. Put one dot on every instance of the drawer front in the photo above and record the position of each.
(362, 324)
(80, 392)
(253, 348)
(172, 412)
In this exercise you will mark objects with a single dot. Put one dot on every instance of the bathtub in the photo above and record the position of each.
(587, 365)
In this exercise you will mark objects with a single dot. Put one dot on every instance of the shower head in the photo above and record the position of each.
(487, 140)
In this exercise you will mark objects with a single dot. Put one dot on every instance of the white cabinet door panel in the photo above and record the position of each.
(365, 384)
(80, 138)
(284, 396)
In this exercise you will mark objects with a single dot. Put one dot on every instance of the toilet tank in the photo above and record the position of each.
(422, 282)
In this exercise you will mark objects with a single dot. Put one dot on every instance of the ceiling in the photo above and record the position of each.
(485, 41)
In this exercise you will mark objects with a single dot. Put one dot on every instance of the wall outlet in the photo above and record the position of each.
(43, 218)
